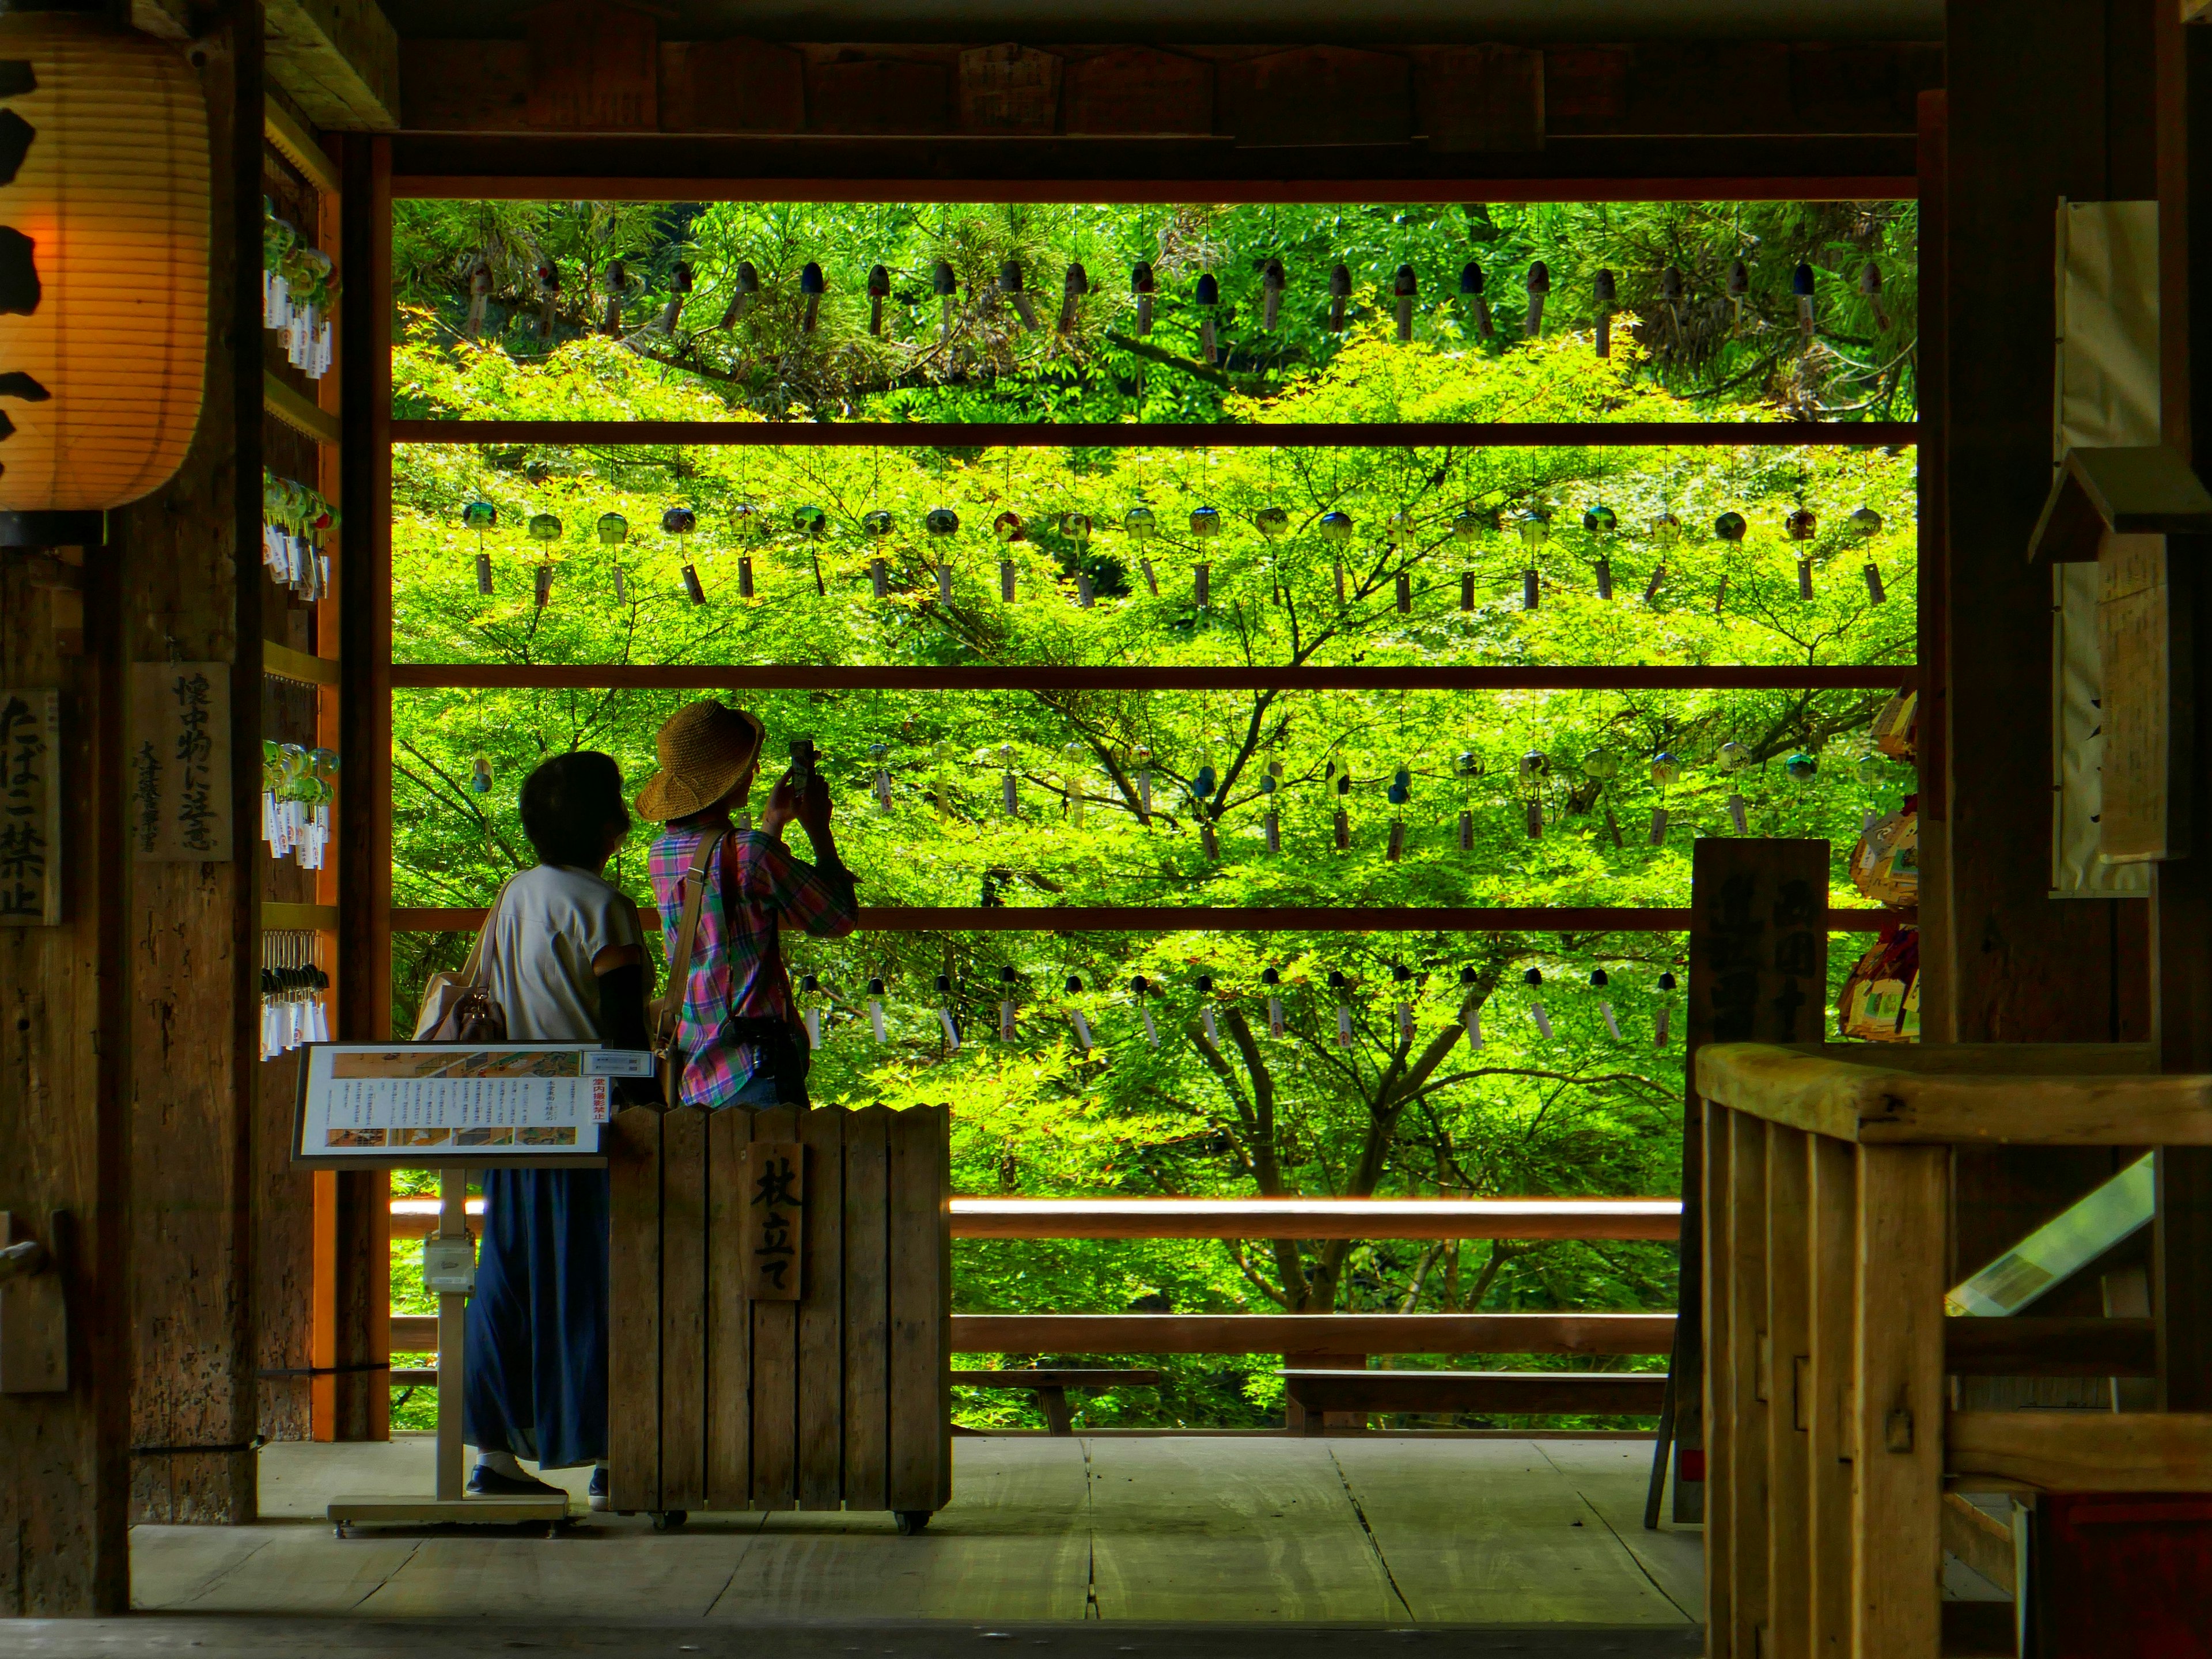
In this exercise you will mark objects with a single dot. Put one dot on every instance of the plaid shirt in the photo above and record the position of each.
(752, 885)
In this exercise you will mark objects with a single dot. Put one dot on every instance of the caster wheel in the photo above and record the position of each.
(669, 1520)
(911, 1522)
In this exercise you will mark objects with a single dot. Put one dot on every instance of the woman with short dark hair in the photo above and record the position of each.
(564, 959)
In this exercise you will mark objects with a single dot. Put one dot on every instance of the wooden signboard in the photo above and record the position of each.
(180, 745)
(1009, 89)
(2143, 816)
(30, 808)
(775, 1196)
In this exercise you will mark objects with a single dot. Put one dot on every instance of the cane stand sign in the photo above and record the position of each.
(30, 808)
(179, 806)
(775, 1195)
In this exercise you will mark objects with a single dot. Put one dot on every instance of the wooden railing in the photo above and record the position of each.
(1828, 1443)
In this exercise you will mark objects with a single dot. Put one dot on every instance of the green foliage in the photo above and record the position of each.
(921, 779)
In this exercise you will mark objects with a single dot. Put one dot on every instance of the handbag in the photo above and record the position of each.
(664, 1014)
(459, 1007)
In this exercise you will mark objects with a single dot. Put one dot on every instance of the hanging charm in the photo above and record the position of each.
(1008, 790)
(1539, 284)
(1271, 825)
(1401, 792)
(614, 283)
(1006, 1005)
(1470, 1010)
(1801, 284)
(1403, 287)
(1605, 1004)
(744, 289)
(1141, 757)
(679, 290)
(1206, 1013)
(549, 300)
(880, 753)
(1273, 280)
(1470, 294)
(1533, 979)
(1078, 284)
(1274, 982)
(1875, 593)
(1738, 289)
(811, 288)
(879, 289)
(1401, 976)
(947, 286)
(479, 298)
(1142, 286)
(1010, 289)
(1468, 765)
(1343, 811)
(1659, 1019)
(945, 1019)
(1339, 296)
(1138, 987)
(1075, 1016)
(1074, 755)
(1605, 290)
(1209, 301)
(808, 985)
(876, 1010)
(1870, 291)
(1342, 987)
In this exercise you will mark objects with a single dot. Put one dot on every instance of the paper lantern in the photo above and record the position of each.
(103, 262)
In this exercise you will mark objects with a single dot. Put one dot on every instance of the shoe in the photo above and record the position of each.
(487, 1482)
(596, 1495)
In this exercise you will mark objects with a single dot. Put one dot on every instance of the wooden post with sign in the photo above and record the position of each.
(1759, 973)
(801, 1358)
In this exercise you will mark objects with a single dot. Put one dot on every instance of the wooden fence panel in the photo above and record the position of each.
(1721, 1433)
(1747, 1350)
(1789, 1343)
(775, 1359)
(684, 1168)
(920, 1456)
(822, 1314)
(867, 1307)
(729, 1316)
(1834, 1217)
(633, 1324)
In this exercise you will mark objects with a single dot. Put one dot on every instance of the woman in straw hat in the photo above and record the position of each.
(736, 1027)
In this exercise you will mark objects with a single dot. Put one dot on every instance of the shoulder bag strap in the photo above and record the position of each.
(472, 969)
(669, 1006)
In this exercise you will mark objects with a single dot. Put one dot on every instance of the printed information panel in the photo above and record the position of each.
(369, 1105)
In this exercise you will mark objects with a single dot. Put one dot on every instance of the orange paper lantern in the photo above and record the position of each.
(104, 181)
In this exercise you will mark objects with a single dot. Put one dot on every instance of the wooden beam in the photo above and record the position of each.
(1599, 1393)
(1318, 435)
(338, 60)
(281, 662)
(1315, 1217)
(296, 411)
(297, 145)
(807, 677)
(2031, 1346)
(1175, 919)
(2081, 1452)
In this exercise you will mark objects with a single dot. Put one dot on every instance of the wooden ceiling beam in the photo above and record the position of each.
(338, 60)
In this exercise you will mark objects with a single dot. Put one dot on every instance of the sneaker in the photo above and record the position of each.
(485, 1481)
(596, 1495)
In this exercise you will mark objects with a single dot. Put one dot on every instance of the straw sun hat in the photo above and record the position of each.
(704, 749)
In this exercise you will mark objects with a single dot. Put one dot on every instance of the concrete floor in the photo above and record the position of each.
(1374, 1531)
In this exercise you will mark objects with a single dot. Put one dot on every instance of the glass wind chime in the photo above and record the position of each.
(298, 785)
(297, 284)
(296, 523)
(293, 991)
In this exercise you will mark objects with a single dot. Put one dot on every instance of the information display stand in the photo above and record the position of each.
(454, 1107)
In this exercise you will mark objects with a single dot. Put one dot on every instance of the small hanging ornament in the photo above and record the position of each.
(880, 753)
(1801, 284)
(947, 286)
(1139, 988)
(480, 775)
(1604, 291)
(877, 524)
(1864, 523)
(1401, 976)
(1075, 1019)
(1472, 523)
(1533, 979)
(1201, 807)
(479, 298)
(1205, 1012)
(1076, 285)
(679, 522)
(679, 290)
(612, 531)
(811, 288)
(1007, 527)
(1470, 1008)
(1605, 1004)
(879, 289)
(876, 1010)
(1870, 291)
(1801, 767)
(549, 300)
(1734, 757)
(1672, 292)
(1875, 593)
(480, 516)
(1659, 1017)
(1400, 792)
(614, 283)
(744, 289)
(1273, 280)
(1141, 758)
(1535, 770)
(544, 530)
(1009, 790)
(1339, 296)
(1467, 766)
(1471, 296)
(1008, 1008)
(1341, 987)
(1272, 522)
(1142, 526)
(1273, 982)
(1666, 772)
(1011, 289)
(1074, 758)
(1403, 287)
(808, 985)
(1142, 285)
(1539, 284)
(1271, 826)
(1209, 301)
(1731, 527)
(942, 521)
(945, 1021)
(1343, 825)
(1738, 289)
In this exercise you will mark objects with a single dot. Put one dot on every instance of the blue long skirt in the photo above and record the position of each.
(537, 1380)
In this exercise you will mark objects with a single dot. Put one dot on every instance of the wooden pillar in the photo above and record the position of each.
(188, 576)
(362, 1240)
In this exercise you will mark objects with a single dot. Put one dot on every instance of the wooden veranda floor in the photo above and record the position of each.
(1377, 1531)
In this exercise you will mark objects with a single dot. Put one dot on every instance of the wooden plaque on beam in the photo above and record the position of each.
(1318, 95)
(1138, 90)
(593, 67)
(1009, 89)
(1480, 98)
(2145, 814)
(737, 85)
(772, 1236)
(178, 749)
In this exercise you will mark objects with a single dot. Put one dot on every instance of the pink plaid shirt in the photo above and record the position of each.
(753, 885)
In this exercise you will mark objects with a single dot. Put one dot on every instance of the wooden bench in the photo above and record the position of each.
(1051, 1385)
(1523, 1393)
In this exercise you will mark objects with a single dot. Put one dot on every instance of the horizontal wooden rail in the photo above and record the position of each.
(1598, 1394)
(1258, 919)
(297, 411)
(281, 662)
(1260, 1218)
(803, 676)
(1094, 434)
(2081, 1451)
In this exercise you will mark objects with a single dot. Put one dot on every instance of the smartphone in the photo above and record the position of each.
(802, 764)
